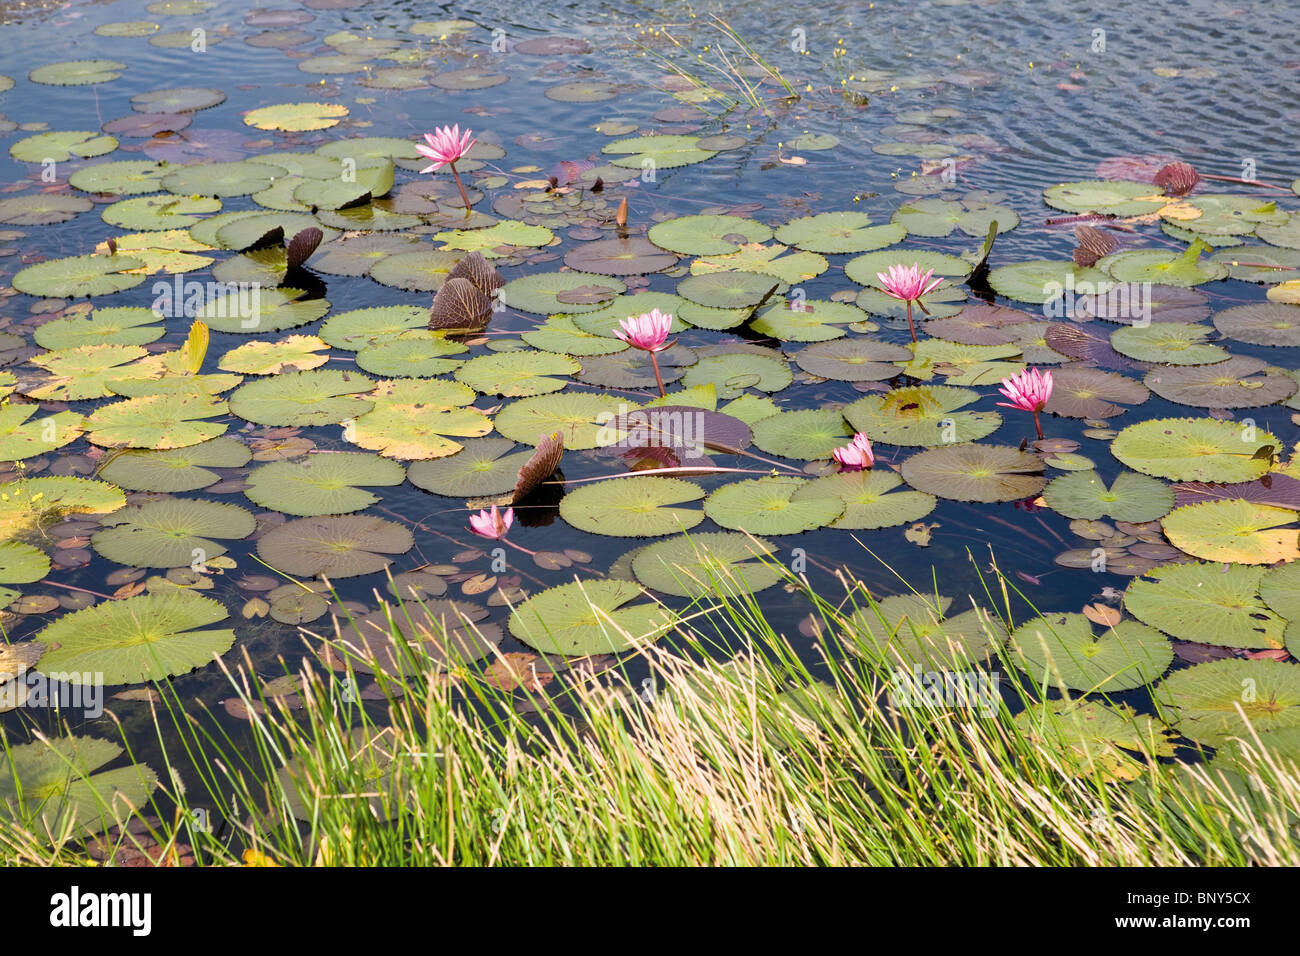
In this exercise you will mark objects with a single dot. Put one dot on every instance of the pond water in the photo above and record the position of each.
(963, 112)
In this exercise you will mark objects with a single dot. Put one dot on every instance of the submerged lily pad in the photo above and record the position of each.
(1063, 651)
(144, 638)
(635, 507)
(589, 617)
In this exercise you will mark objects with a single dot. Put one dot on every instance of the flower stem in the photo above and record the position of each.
(531, 554)
(463, 195)
(654, 361)
(1038, 425)
(910, 327)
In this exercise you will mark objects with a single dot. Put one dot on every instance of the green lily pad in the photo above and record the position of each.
(50, 786)
(41, 209)
(852, 360)
(1165, 266)
(774, 260)
(589, 617)
(1044, 280)
(691, 565)
(864, 269)
(870, 499)
(127, 178)
(1083, 494)
(937, 218)
(171, 532)
(916, 632)
(1234, 530)
(658, 152)
(338, 547)
(241, 178)
(1063, 651)
(61, 146)
(581, 418)
(1113, 197)
(637, 507)
(730, 290)
(808, 434)
(79, 275)
(30, 504)
(269, 310)
(975, 473)
(1238, 382)
(22, 563)
(319, 397)
(23, 436)
(322, 484)
(604, 321)
(837, 232)
(772, 506)
(540, 292)
(1095, 740)
(961, 364)
(184, 99)
(157, 422)
(633, 368)
(177, 469)
(123, 325)
(1203, 701)
(483, 468)
(295, 353)
(734, 372)
(359, 328)
(1174, 343)
(1193, 449)
(806, 320)
(1207, 603)
(77, 72)
(518, 373)
(416, 353)
(562, 334)
(1261, 323)
(921, 415)
(1228, 214)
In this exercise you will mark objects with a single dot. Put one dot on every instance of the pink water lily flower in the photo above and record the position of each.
(492, 524)
(1028, 390)
(907, 284)
(648, 332)
(446, 145)
(856, 455)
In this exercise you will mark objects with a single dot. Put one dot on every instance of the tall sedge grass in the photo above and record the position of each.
(768, 758)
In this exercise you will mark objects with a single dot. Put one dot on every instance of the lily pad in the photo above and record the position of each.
(1234, 530)
(864, 269)
(339, 547)
(870, 499)
(619, 257)
(692, 565)
(60, 146)
(838, 232)
(77, 72)
(1261, 323)
(1063, 651)
(772, 506)
(589, 617)
(734, 372)
(518, 373)
(921, 415)
(1113, 197)
(807, 434)
(1203, 700)
(41, 209)
(22, 563)
(80, 275)
(171, 532)
(1080, 391)
(261, 311)
(1192, 449)
(937, 218)
(178, 469)
(1130, 497)
(975, 473)
(23, 436)
(633, 507)
(1174, 343)
(319, 397)
(540, 292)
(1206, 603)
(322, 484)
(157, 422)
(1239, 382)
(916, 632)
(143, 638)
(483, 468)
(358, 328)
(658, 152)
(852, 360)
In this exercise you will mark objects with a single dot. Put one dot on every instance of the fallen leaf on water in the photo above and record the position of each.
(920, 533)
(1101, 614)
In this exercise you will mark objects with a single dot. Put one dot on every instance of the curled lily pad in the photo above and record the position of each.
(691, 565)
(1194, 449)
(322, 484)
(1130, 497)
(138, 639)
(171, 533)
(1063, 651)
(633, 507)
(483, 468)
(871, 499)
(589, 617)
(177, 469)
(772, 506)
(921, 415)
(1204, 699)
(975, 473)
(1234, 530)
(1206, 603)
(1239, 382)
(338, 547)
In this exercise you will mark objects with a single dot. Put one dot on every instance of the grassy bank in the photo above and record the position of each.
(768, 758)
